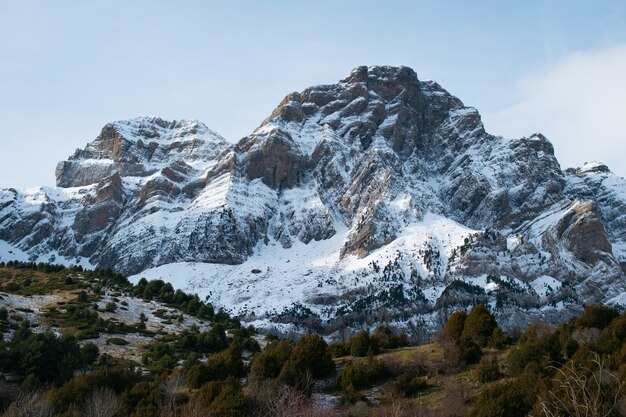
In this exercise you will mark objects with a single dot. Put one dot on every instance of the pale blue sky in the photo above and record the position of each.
(67, 68)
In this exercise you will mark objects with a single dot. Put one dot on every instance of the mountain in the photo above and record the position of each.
(379, 198)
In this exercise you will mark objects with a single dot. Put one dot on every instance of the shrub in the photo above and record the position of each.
(408, 385)
(353, 376)
(226, 363)
(502, 399)
(513, 398)
(338, 350)
(498, 339)
(598, 316)
(144, 398)
(487, 370)
(384, 338)
(218, 366)
(159, 357)
(198, 375)
(613, 336)
(294, 364)
(362, 375)
(294, 376)
(454, 325)
(87, 334)
(50, 358)
(268, 364)
(542, 349)
(90, 353)
(479, 325)
(118, 341)
(82, 297)
(30, 383)
(224, 399)
(76, 390)
(311, 354)
(469, 351)
(361, 343)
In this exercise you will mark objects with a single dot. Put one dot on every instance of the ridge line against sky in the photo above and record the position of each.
(66, 69)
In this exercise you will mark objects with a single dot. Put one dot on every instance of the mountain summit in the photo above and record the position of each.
(379, 198)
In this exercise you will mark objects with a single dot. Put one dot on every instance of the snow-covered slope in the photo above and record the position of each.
(379, 198)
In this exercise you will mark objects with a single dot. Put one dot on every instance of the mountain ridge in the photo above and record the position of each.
(355, 170)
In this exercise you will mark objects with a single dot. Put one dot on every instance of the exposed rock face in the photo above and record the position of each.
(583, 232)
(405, 205)
(274, 158)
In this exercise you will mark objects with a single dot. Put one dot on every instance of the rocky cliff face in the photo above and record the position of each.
(381, 197)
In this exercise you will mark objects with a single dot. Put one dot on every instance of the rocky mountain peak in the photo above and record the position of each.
(140, 147)
(154, 128)
(392, 76)
(593, 167)
(384, 112)
(378, 195)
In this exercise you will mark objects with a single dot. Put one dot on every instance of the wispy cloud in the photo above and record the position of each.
(579, 103)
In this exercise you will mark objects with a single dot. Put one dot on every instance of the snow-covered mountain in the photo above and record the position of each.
(379, 198)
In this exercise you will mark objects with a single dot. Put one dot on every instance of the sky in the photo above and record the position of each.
(68, 68)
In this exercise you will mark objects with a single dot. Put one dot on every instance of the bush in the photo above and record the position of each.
(479, 325)
(226, 363)
(469, 351)
(208, 392)
(82, 297)
(118, 341)
(384, 338)
(87, 334)
(502, 399)
(294, 376)
(454, 325)
(311, 354)
(49, 358)
(353, 376)
(613, 336)
(540, 348)
(159, 357)
(338, 350)
(487, 370)
(361, 344)
(198, 375)
(362, 375)
(408, 385)
(598, 316)
(144, 398)
(76, 390)
(268, 364)
(90, 353)
(218, 366)
(294, 364)
(511, 398)
(498, 339)
(30, 383)
(224, 399)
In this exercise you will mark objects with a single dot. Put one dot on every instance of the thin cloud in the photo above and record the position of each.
(579, 103)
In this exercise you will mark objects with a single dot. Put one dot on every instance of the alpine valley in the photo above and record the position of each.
(377, 199)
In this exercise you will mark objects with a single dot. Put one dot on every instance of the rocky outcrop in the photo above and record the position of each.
(274, 158)
(101, 210)
(583, 232)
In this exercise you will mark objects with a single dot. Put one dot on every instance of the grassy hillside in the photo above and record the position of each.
(87, 343)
